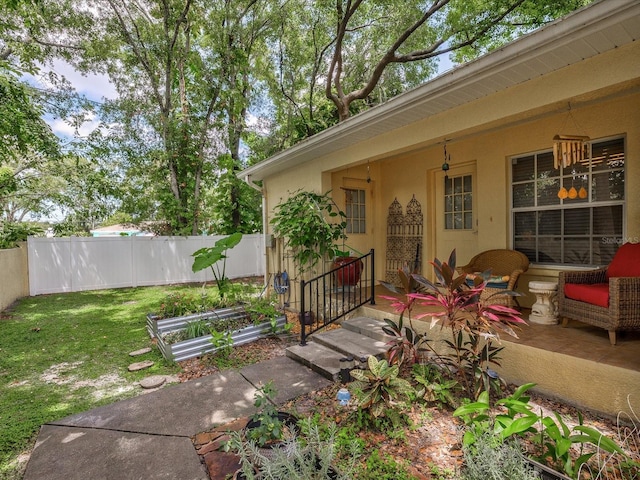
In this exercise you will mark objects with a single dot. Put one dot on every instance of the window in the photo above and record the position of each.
(355, 210)
(586, 227)
(458, 203)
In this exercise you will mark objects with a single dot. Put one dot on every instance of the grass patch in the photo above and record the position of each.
(66, 353)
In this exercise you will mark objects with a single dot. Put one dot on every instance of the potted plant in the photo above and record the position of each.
(268, 426)
(348, 269)
(311, 225)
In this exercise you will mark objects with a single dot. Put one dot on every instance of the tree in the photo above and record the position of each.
(184, 71)
(373, 36)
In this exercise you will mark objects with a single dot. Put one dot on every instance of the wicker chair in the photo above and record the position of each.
(502, 263)
(608, 298)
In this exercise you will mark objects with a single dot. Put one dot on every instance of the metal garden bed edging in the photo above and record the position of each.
(159, 327)
(195, 347)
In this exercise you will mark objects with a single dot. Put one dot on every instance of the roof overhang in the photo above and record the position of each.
(590, 31)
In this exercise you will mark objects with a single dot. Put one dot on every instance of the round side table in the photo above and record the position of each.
(545, 310)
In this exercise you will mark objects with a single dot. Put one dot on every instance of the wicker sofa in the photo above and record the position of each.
(608, 298)
(502, 263)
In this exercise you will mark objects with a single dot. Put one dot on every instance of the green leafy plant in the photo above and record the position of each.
(266, 424)
(517, 419)
(378, 388)
(223, 342)
(262, 309)
(434, 386)
(209, 257)
(311, 225)
(556, 439)
(384, 467)
(177, 304)
(197, 328)
(474, 323)
(11, 233)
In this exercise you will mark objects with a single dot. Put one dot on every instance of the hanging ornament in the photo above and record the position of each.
(573, 193)
(569, 149)
(582, 193)
(445, 165)
(562, 193)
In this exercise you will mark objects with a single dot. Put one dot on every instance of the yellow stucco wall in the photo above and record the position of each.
(14, 283)
(600, 96)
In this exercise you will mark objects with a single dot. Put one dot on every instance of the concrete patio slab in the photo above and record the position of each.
(290, 378)
(69, 453)
(183, 410)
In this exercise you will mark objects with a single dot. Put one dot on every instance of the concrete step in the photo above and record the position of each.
(350, 343)
(367, 326)
(359, 337)
(319, 358)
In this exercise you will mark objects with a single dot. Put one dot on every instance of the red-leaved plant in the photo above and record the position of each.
(475, 323)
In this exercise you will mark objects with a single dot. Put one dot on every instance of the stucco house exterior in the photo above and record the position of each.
(496, 118)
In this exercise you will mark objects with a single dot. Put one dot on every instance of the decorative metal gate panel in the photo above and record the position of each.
(395, 242)
(404, 239)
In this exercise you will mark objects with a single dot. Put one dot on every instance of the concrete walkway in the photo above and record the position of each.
(148, 437)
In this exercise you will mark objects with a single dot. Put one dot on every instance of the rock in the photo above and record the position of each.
(172, 378)
(142, 351)
(153, 381)
(134, 367)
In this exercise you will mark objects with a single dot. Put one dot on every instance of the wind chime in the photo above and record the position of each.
(567, 151)
(445, 165)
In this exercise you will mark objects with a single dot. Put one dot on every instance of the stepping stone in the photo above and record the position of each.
(142, 351)
(153, 381)
(134, 367)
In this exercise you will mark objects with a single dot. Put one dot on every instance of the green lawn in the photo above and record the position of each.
(66, 353)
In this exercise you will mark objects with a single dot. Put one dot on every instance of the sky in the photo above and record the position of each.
(94, 87)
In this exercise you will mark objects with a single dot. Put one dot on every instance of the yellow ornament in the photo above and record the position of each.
(582, 193)
(562, 194)
(573, 193)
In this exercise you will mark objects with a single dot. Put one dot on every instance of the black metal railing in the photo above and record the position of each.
(330, 296)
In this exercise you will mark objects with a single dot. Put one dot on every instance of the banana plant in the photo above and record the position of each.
(209, 257)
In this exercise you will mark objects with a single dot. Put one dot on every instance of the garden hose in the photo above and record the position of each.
(281, 285)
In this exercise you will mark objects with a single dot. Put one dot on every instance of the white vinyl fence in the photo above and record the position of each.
(92, 263)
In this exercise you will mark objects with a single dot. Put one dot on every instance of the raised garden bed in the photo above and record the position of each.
(162, 329)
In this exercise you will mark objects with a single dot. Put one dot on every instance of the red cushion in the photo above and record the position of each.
(626, 261)
(594, 293)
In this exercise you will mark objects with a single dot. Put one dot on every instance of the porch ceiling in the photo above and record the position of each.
(595, 29)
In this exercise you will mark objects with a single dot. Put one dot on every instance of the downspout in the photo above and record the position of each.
(247, 180)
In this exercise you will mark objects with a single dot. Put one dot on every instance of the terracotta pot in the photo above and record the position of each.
(347, 275)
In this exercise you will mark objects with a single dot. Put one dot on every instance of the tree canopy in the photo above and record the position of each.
(207, 87)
